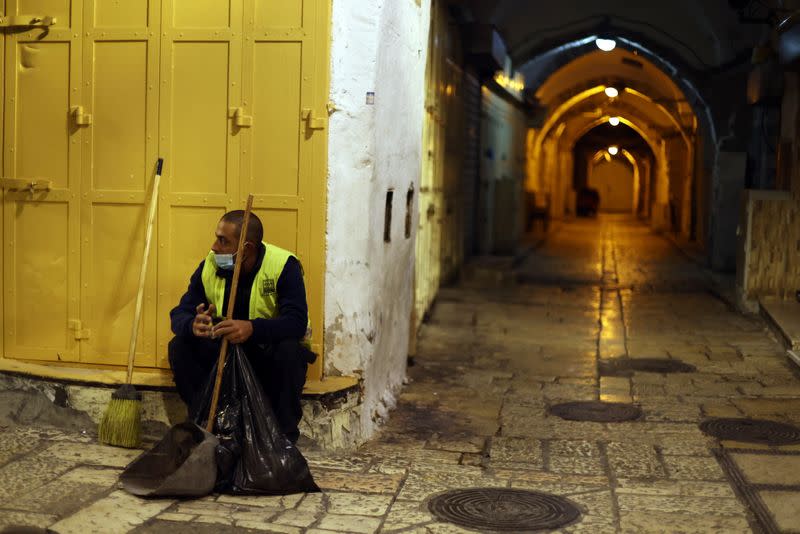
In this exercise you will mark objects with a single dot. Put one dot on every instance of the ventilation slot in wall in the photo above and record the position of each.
(387, 220)
(409, 206)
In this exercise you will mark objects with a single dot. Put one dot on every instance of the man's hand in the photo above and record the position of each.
(234, 331)
(201, 326)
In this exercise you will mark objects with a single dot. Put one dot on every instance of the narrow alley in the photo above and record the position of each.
(462, 265)
(495, 355)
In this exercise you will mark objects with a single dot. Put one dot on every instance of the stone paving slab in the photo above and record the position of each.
(661, 522)
(116, 513)
(784, 507)
(782, 470)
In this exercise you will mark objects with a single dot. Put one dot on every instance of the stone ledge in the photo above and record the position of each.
(331, 407)
(148, 379)
(784, 317)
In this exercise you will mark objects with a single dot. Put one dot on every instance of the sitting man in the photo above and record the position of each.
(270, 319)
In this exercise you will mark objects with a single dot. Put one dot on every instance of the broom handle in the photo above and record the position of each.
(151, 215)
(223, 351)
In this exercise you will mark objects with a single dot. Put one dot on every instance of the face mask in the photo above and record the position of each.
(224, 261)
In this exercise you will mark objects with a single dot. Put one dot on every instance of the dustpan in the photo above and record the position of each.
(183, 463)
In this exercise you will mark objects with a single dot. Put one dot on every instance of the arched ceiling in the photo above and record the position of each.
(703, 33)
(579, 125)
(630, 104)
(619, 65)
(604, 135)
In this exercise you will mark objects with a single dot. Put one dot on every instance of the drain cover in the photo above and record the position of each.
(503, 509)
(599, 412)
(752, 431)
(627, 366)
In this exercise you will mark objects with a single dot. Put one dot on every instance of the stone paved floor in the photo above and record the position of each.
(491, 360)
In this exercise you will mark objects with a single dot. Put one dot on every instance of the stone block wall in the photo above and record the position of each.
(774, 258)
(771, 229)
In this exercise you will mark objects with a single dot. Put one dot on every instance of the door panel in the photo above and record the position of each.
(42, 77)
(287, 14)
(190, 234)
(280, 226)
(42, 103)
(119, 131)
(279, 92)
(201, 72)
(38, 281)
(116, 14)
(120, 62)
(117, 237)
(276, 104)
(203, 13)
(199, 110)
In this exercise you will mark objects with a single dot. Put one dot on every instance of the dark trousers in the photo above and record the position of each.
(280, 368)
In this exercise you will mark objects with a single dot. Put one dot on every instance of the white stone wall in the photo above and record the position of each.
(380, 47)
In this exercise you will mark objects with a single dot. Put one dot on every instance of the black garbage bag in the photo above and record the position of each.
(253, 455)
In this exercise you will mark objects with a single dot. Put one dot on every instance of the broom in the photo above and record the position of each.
(121, 423)
(223, 351)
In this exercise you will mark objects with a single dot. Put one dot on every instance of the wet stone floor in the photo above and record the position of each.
(494, 356)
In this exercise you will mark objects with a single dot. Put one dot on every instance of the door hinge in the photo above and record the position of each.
(80, 117)
(27, 21)
(240, 119)
(77, 327)
(29, 184)
(313, 122)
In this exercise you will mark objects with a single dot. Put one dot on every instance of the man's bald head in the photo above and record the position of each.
(255, 231)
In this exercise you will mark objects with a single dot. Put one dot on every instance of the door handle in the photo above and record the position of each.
(21, 184)
(313, 122)
(240, 119)
(80, 117)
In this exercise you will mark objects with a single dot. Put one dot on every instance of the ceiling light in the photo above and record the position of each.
(606, 45)
(613, 150)
(612, 92)
(614, 121)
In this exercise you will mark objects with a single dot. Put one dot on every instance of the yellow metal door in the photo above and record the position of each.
(3, 151)
(201, 57)
(232, 94)
(243, 91)
(431, 199)
(41, 182)
(284, 121)
(120, 65)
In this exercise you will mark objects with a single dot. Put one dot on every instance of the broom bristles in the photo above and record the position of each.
(121, 423)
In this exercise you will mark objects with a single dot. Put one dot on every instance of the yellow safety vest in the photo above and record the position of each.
(263, 294)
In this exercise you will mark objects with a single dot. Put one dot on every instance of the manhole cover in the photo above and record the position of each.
(752, 431)
(627, 366)
(502, 509)
(599, 412)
